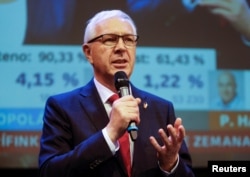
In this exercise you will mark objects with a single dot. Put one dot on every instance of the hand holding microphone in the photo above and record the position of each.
(123, 87)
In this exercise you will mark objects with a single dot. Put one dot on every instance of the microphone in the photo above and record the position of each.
(122, 86)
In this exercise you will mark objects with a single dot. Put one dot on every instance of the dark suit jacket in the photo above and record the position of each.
(73, 145)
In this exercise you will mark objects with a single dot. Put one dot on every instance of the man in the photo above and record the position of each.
(227, 88)
(81, 130)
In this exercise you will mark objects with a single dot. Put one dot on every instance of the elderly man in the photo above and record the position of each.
(83, 128)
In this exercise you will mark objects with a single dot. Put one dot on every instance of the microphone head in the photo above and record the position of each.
(121, 80)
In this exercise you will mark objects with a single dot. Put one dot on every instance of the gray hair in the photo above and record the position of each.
(103, 15)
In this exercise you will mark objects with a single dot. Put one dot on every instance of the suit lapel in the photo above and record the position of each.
(93, 106)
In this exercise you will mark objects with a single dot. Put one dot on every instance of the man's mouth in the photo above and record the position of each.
(121, 63)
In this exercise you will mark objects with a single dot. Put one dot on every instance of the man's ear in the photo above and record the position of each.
(87, 51)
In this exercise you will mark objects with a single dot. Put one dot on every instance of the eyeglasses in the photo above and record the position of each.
(112, 39)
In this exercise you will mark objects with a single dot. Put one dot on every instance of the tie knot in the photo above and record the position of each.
(113, 98)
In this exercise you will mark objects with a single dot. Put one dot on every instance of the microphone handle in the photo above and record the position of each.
(132, 128)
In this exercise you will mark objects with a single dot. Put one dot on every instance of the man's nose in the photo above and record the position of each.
(120, 43)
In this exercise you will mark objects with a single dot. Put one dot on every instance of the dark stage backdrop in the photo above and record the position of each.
(184, 55)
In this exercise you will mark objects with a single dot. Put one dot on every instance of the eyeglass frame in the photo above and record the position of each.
(118, 36)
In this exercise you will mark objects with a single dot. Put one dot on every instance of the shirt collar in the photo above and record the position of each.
(103, 91)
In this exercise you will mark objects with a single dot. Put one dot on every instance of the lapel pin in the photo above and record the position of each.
(145, 105)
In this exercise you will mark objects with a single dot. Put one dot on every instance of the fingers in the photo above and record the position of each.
(167, 153)
(176, 135)
(131, 108)
(236, 12)
(126, 109)
(225, 4)
(180, 129)
(168, 141)
(155, 144)
(177, 122)
(175, 138)
(129, 100)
